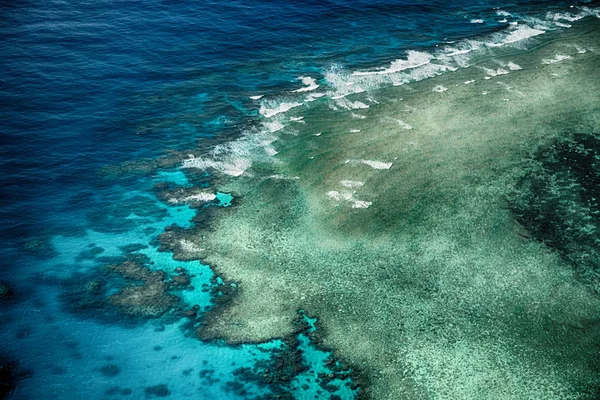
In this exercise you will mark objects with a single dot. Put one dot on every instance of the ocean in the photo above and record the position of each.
(299, 200)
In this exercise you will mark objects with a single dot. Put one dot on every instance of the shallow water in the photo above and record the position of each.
(367, 163)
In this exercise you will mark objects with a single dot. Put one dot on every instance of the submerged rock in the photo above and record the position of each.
(149, 300)
(129, 289)
(6, 292)
(136, 271)
(182, 280)
(130, 248)
(10, 375)
(286, 367)
(177, 240)
(39, 246)
(558, 202)
(117, 390)
(110, 370)
(157, 391)
(142, 167)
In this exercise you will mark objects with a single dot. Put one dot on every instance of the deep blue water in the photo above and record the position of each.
(91, 84)
(85, 84)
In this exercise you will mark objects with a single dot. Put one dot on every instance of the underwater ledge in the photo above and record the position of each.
(434, 289)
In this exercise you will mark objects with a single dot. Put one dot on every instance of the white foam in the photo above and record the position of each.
(539, 23)
(351, 184)
(513, 67)
(557, 58)
(439, 89)
(350, 105)
(234, 168)
(377, 164)
(278, 109)
(417, 66)
(189, 246)
(273, 126)
(235, 157)
(202, 196)
(399, 122)
(518, 33)
(503, 21)
(510, 65)
(361, 204)
(562, 25)
(557, 16)
(414, 59)
(357, 116)
(344, 83)
(311, 84)
(313, 96)
(463, 47)
(339, 196)
(477, 21)
(299, 120)
(270, 151)
(419, 74)
(283, 177)
(494, 72)
(348, 197)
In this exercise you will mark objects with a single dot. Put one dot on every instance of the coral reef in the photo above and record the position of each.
(110, 370)
(7, 293)
(10, 375)
(287, 372)
(129, 289)
(157, 391)
(142, 167)
(431, 289)
(39, 246)
(558, 201)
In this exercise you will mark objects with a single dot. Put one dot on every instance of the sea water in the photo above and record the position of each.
(123, 120)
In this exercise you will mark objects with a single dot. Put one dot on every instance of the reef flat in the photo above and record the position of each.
(393, 223)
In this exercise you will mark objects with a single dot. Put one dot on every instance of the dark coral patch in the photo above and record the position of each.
(129, 289)
(10, 375)
(118, 391)
(148, 300)
(7, 293)
(558, 201)
(157, 391)
(110, 370)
